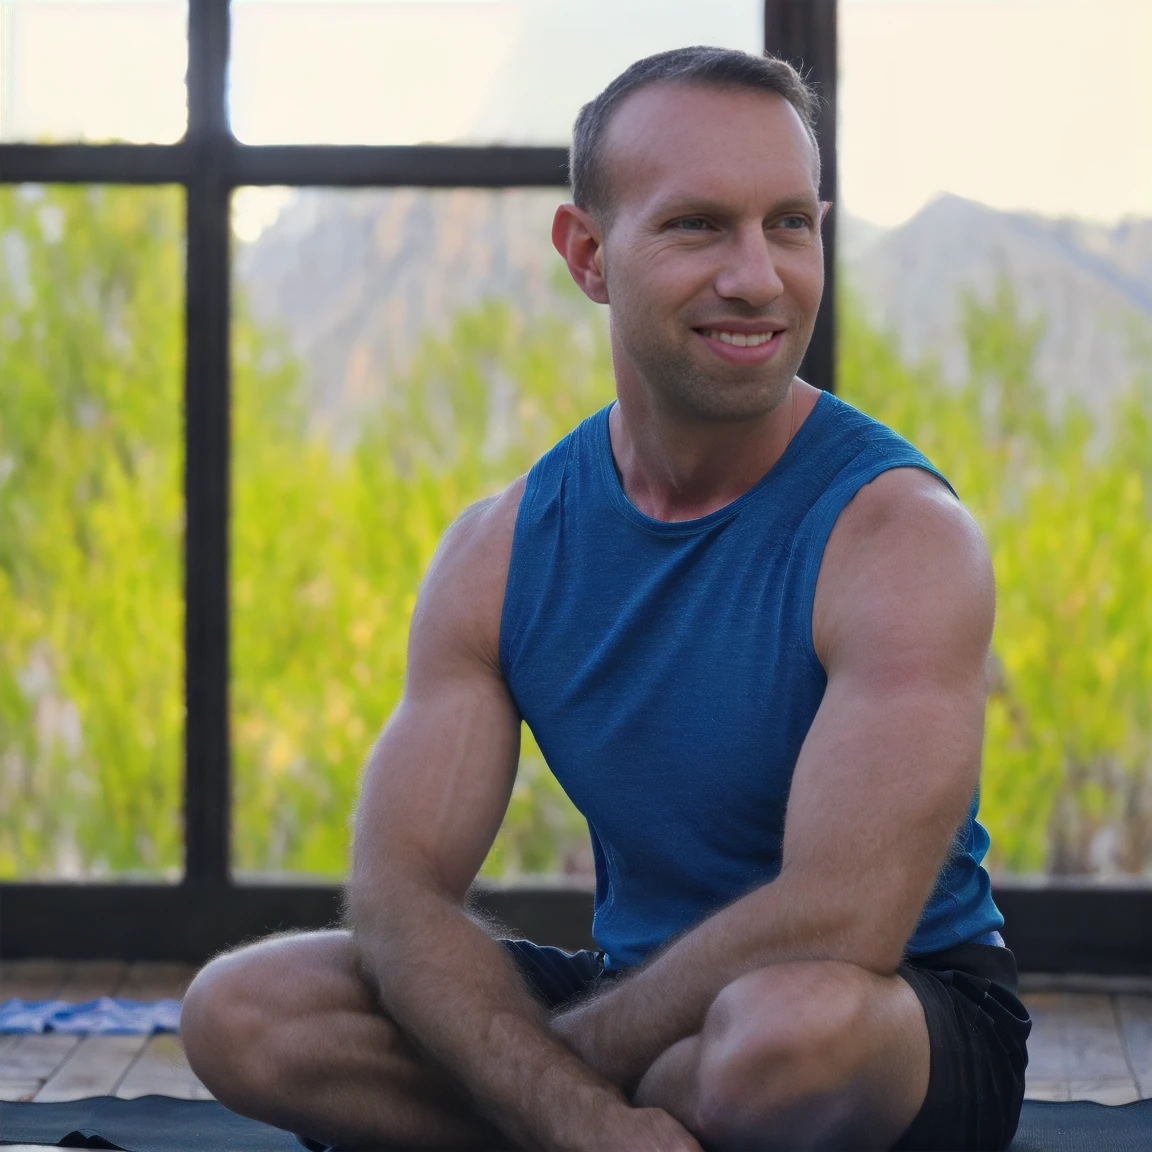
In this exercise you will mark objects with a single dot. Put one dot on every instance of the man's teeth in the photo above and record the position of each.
(739, 339)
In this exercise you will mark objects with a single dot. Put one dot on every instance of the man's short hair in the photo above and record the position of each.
(715, 67)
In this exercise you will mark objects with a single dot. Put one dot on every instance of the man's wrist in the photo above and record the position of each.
(586, 1030)
(573, 1110)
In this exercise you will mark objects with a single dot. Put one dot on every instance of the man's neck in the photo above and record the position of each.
(676, 468)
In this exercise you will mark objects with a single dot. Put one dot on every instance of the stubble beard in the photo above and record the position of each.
(676, 381)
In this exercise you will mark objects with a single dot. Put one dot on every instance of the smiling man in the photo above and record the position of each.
(748, 627)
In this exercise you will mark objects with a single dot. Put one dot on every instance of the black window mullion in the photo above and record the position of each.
(206, 468)
(93, 163)
(804, 32)
(392, 166)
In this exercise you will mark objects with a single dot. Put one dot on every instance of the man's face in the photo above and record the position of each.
(713, 262)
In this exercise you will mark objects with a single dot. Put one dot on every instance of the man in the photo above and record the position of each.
(748, 626)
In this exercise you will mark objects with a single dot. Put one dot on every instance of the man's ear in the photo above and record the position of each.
(825, 208)
(576, 236)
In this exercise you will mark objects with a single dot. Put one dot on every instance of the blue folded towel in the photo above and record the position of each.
(107, 1016)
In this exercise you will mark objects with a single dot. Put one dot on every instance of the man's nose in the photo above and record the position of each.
(749, 271)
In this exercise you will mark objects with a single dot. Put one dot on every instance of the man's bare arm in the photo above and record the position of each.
(902, 622)
(435, 791)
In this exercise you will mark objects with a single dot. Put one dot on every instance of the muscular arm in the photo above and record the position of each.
(435, 790)
(901, 622)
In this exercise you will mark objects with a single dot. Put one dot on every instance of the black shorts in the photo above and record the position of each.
(977, 1029)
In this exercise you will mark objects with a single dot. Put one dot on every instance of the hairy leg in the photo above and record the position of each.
(287, 1031)
(816, 1054)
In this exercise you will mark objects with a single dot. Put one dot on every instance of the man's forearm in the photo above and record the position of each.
(457, 995)
(624, 1030)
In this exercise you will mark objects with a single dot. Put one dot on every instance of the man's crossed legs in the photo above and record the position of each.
(817, 1054)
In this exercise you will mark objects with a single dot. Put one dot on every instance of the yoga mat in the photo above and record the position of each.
(160, 1124)
(1081, 1126)
(146, 1124)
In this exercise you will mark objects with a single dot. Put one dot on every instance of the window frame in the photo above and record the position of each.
(1055, 926)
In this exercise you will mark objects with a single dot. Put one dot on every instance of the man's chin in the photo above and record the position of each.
(723, 403)
(696, 385)
(745, 394)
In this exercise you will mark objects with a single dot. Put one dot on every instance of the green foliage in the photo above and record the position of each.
(1066, 509)
(329, 545)
(328, 551)
(90, 530)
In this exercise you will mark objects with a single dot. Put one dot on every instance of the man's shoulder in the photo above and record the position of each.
(904, 553)
(463, 592)
(486, 525)
(469, 572)
(864, 439)
(905, 500)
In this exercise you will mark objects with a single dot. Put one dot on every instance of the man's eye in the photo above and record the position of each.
(794, 223)
(692, 224)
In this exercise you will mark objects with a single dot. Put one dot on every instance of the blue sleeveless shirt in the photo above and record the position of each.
(668, 674)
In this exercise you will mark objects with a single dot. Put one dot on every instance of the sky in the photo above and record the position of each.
(1041, 105)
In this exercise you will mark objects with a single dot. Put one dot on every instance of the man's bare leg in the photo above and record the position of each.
(798, 1055)
(288, 1032)
(801, 1055)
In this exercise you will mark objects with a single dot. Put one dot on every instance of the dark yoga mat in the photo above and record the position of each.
(146, 1124)
(161, 1124)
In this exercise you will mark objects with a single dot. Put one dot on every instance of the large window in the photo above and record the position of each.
(328, 220)
(207, 592)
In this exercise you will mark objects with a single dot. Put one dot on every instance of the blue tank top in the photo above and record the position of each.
(668, 674)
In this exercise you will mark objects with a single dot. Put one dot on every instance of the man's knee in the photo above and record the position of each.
(777, 1054)
(240, 997)
(222, 1016)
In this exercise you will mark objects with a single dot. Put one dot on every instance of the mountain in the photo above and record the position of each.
(1092, 284)
(357, 278)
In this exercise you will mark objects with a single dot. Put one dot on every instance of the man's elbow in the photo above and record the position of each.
(840, 926)
(877, 954)
(392, 896)
(866, 942)
(377, 895)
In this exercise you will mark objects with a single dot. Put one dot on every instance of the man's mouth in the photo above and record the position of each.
(739, 339)
(742, 347)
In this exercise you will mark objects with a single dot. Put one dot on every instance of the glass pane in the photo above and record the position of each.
(997, 309)
(450, 71)
(93, 70)
(91, 524)
(398, 354)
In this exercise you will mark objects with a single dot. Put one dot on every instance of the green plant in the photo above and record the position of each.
(329, 548)
(329, 545)
(1066, 509)
(91, 458)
